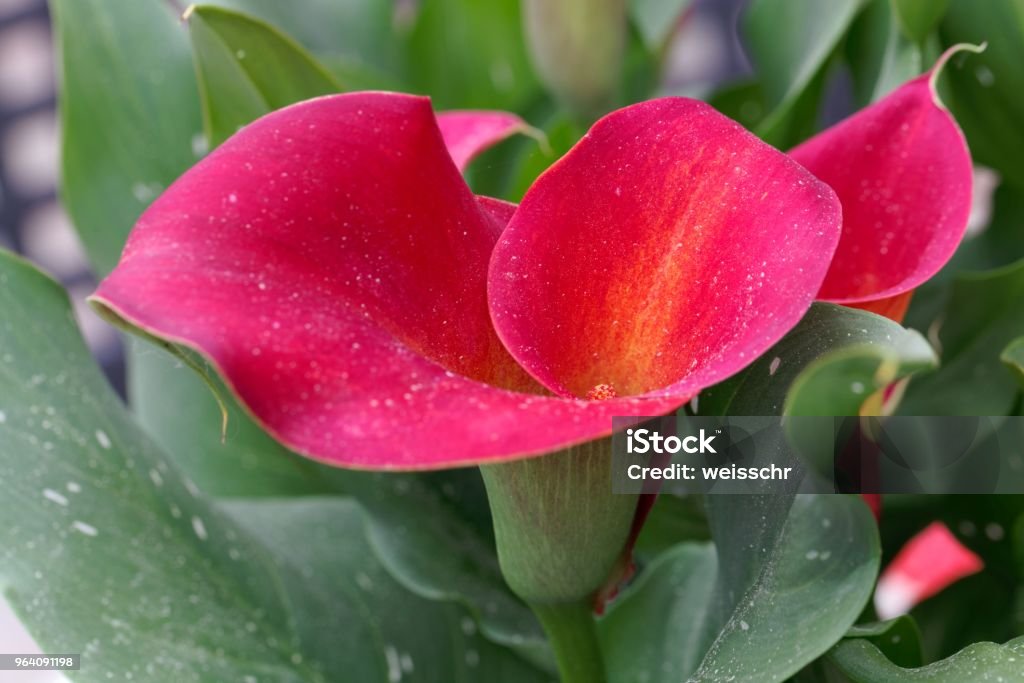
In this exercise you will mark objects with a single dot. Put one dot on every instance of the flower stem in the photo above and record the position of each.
(573, 635)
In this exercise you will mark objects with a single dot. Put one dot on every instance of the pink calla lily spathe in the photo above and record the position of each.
(903, 174)
(371, 312)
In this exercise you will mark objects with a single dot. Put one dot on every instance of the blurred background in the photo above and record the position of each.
(31, 219)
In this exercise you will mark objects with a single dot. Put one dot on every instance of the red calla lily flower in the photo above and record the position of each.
(371, 312)
(902, 171)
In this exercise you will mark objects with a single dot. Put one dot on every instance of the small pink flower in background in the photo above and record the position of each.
(903, 173)
(930, 562)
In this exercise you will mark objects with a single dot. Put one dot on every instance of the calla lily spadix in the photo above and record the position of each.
(371, 312)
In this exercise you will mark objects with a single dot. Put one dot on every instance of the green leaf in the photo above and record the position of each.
(152, 579)
(784, 585)
(467, 54)
(790, 43)
(982, 316)
(918, 18)
(881, 57)
(865, 663)
(742, 102)
(182, 415)
(672, 520)
(829, 364)
(654, 631)
(1018, 558)
(798, 119)
(657, 19)
(413, 527)
(129, 106)
(999, 244)
(354, 35)
(424, 541)
(246, 68)
(129, 114)
(439, 555)
(1013, 358)
(561, 133)
(899, 639)
(988, 89)
(422, 640)
(839, 383)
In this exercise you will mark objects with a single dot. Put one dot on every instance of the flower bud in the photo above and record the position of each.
(577, 47)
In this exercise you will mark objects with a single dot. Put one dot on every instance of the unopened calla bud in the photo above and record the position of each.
(577, 47)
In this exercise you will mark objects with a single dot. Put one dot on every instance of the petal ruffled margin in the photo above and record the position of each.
(663, 253)
(902, 171)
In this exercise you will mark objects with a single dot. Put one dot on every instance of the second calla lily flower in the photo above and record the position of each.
(371, 312)
(902, 171)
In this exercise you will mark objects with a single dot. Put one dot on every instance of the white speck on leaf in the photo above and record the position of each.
(57, 498)
(394, 664)
(84, 528)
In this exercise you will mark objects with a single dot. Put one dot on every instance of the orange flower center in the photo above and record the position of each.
(602, 392)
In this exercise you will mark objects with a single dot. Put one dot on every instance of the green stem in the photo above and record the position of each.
(573, 635)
